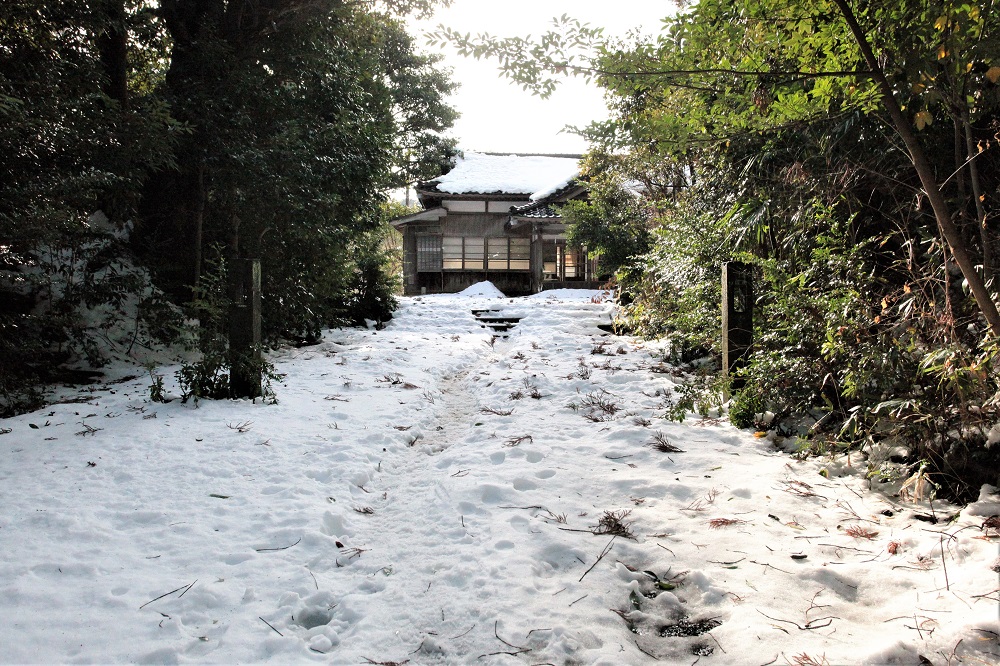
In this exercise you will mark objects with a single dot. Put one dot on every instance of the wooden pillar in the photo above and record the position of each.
(537, 258)
(245, 363)
(737, 317)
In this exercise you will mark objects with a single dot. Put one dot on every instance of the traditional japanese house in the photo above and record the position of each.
(495, 217)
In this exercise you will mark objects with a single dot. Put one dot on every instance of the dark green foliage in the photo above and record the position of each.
(613, 223)
(208, 375)
(67, 150)
(744, 408)
(864, 330)
(272, 129)
(373, 286)
(294, 174)
(699, 393)
(156, 393)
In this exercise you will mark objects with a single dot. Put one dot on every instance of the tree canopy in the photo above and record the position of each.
(189, 132)
(848, 150)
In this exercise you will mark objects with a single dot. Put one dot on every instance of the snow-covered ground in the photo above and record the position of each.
(430, 494)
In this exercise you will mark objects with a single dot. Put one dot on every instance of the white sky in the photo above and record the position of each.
(498, 116)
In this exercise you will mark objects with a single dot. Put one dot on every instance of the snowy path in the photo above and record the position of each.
(379, 514)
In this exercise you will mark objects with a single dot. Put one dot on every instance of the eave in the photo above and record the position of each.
(429, 215)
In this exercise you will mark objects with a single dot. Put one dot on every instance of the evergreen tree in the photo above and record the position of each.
(201, 130)
(73, 153)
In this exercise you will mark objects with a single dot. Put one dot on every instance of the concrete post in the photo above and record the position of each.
(737, 316)
(245, 363)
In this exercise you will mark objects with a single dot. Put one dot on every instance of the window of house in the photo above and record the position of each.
(428, 253)
(452, 253)
(560, 262)
(571, 263)
(509, 254)
(550, 261)
(473, 253)
(498, 253)
(463, 253)
(520, 254)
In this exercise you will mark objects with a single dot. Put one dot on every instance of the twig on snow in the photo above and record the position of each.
(271, 550)
(718, 523)
(182, 587)
(648, 654)
(187, 589)
(987, 595)
(808, 626)
(613, 522)
(607, 549)
(954, 653)
(944, 564)
(463, 633)
(709, 633)
(519, 649)
(241, 427)
(771, 566)
(270, 625)
(831, 545)
(496, 411)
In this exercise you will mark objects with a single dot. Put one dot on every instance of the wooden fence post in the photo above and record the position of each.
(737, 317)
(245, 363)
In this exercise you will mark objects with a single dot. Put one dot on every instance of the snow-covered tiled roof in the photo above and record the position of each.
(535, 210)
(484, 173)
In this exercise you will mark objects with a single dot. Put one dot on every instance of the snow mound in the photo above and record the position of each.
(483, 289)
(988, 503)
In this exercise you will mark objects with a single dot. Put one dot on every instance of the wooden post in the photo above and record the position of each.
(245, 363)
(537, 256)
(737, 317)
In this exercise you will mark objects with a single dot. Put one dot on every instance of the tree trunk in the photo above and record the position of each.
(199, 224)
(959, 160)
(112, 45)
(977, 194)
(174, 217)
(925, 172)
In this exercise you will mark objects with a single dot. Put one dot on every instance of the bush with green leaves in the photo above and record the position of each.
(373, 287)
(862, 333)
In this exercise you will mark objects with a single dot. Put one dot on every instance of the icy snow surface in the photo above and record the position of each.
(389, 509)
(511, 174)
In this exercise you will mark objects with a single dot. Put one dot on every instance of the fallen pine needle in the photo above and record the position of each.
(270, 625)
(271, 550)
(464, 633)
(182, 587)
